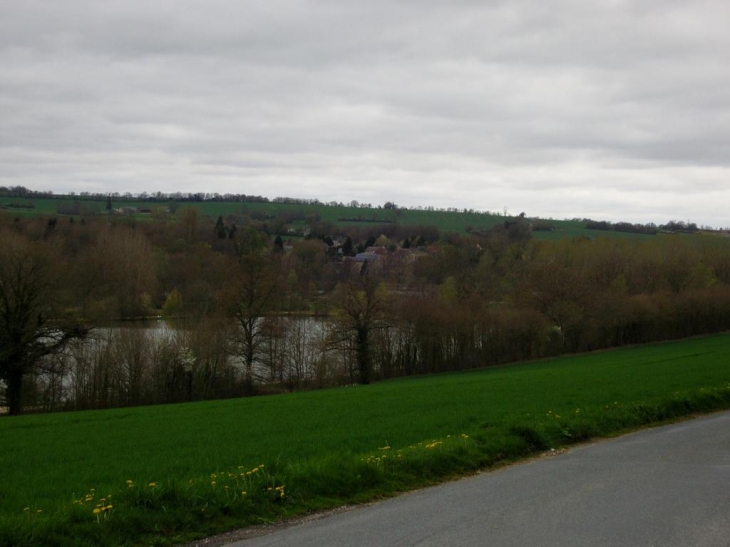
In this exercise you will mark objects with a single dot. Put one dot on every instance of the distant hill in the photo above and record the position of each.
(298, 213)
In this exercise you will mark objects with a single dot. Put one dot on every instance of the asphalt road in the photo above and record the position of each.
(668, 486)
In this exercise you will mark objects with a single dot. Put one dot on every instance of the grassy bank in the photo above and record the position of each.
(159, 474)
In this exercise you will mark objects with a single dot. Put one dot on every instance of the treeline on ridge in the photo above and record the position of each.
(673, 226)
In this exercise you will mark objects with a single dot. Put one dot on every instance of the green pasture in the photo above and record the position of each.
(179, 471)
(445, 221)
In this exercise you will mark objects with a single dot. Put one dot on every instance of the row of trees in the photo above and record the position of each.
(674, 226)
(244, 305)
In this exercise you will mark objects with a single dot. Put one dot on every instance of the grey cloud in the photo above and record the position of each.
(459, 103)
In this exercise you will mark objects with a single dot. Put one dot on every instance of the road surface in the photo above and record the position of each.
(664, 487)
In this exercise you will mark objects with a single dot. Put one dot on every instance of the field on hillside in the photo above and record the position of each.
(185, 470)
(445, 221)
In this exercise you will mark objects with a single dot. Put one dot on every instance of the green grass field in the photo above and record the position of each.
(189, 465)
(445, 221)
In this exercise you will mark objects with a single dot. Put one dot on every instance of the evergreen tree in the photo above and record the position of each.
(220, 228)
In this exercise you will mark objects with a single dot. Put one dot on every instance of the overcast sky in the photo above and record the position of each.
(609, 109)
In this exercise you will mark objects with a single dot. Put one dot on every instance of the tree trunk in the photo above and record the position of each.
(363, 355)
(14, 391)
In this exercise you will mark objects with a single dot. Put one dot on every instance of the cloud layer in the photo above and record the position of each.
(609, 109)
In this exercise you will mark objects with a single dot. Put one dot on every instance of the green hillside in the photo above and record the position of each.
(445, 221)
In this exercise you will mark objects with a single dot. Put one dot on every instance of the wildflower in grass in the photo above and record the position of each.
(26, 509)
(152, 484)
(278, 490)
(386, 447)
(101, 510)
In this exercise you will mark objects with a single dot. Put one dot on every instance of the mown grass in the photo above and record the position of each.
(180, 471)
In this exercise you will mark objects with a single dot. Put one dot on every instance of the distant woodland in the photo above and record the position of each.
(252, 310)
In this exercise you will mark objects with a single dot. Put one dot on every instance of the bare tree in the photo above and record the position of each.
(30, 326)
(363, 308)
(250, 294)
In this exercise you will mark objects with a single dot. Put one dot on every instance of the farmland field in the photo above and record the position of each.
(183, 470)
(445, 221)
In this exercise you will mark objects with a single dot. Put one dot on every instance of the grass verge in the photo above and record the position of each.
(161, 475)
